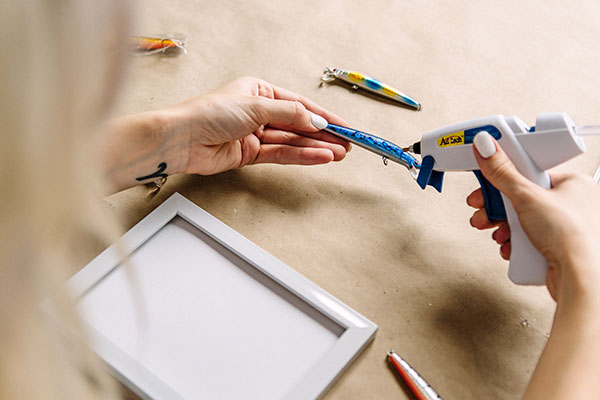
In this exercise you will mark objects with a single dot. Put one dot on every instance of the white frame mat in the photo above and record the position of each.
(154, 361)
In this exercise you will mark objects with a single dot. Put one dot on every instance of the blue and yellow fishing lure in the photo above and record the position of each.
(358, 80)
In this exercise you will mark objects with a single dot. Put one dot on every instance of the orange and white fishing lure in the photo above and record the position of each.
(146, 45)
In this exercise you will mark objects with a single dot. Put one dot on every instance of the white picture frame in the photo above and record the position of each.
(124, 301)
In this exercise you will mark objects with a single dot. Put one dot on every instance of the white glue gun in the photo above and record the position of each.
(553, 140)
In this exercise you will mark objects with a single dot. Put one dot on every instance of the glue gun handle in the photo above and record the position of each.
(527, 265)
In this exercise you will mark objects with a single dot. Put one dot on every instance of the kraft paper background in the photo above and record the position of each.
(405, 258)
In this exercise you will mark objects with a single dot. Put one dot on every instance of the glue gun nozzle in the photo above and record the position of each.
(413, 148)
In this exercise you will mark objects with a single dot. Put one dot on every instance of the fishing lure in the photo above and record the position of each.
(377, 145)
(358, 80)
(151, 45)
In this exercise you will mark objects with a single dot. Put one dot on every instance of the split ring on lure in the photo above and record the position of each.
(377, 145)
(358, 80)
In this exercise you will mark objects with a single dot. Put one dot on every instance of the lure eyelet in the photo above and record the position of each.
(328, 75)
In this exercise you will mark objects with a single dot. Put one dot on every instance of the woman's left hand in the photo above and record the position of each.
(250, 121)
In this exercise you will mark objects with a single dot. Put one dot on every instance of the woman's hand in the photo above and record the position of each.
(563, 223)
(249, 121)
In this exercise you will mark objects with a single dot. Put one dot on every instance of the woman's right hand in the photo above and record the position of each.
(563, 222)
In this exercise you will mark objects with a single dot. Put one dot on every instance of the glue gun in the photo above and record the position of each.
(553, 140)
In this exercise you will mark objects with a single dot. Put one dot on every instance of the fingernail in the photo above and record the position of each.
(318, 121)
(485, 144)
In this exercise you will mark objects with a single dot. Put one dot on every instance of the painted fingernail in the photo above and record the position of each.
(318, 121)
(485, 144)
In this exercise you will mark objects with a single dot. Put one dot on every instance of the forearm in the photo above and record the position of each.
(141, 148)
(569, 365)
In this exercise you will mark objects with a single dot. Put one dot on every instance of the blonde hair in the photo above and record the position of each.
(56, 78)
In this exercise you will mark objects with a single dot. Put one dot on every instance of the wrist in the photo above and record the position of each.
(168, 138)
(577, 317)
(579, 275)
(141, 148)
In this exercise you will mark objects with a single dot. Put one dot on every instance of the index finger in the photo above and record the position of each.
(291, 115)
(476, 199)
(284, 94)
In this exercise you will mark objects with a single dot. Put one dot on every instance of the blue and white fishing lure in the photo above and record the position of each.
(375, 144)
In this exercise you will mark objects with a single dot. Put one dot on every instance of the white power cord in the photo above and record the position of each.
(590, 130)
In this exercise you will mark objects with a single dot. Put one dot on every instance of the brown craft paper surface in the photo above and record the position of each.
(405, 258)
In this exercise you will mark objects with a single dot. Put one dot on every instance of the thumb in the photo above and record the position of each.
(497, 167)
